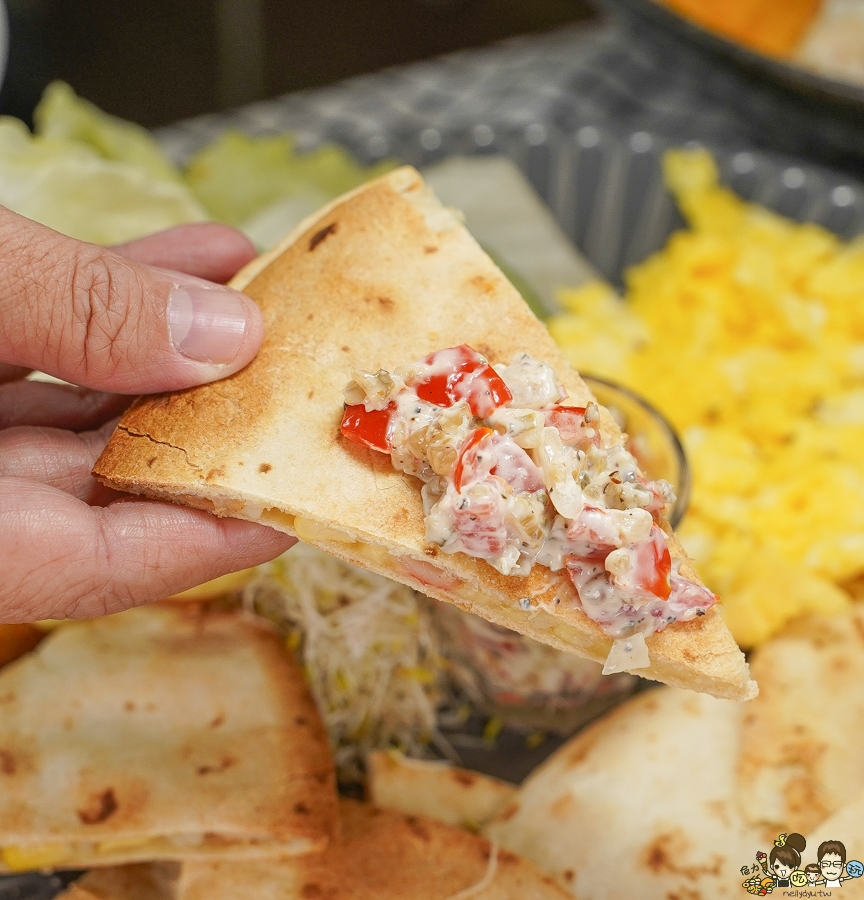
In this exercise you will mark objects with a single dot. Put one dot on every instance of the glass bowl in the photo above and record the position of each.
(651, 439)
(529, 685)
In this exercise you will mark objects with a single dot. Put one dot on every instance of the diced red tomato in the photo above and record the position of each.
(466, 464)
(693, 595)
(468, 377)
(370, 428)
(567, 419)
(570, 422)
(652, 568)
(592, 538)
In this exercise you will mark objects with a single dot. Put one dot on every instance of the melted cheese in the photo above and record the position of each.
(37, 856)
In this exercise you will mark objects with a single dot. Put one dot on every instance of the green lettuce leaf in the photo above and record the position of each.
(237, 176)
(70, 187)
(102, 179)
(62, 114)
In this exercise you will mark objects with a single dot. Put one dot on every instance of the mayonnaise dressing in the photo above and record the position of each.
(515, 478)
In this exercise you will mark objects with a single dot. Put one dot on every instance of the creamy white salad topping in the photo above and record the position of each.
(515, 477)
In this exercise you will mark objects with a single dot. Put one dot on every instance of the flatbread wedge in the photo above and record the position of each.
(801, 757)
(381, 277)
(639, 804)
(137, 881)
(165, 732)
(434, 788)
(380, 855)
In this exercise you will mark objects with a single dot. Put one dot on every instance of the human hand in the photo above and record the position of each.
(106, 320)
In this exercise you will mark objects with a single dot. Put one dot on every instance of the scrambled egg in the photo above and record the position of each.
(747, 332)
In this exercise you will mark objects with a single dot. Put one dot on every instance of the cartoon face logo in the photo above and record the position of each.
(831, 866)
(855, 868)
(782, 867)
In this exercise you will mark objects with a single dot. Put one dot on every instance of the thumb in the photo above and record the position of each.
(85, 314)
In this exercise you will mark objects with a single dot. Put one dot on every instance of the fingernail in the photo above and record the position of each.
(207, 324)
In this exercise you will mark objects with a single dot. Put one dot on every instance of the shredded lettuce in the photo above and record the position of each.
(238, 177)
(368, 650)
(64, 116)
(99, 178)
(70, 187)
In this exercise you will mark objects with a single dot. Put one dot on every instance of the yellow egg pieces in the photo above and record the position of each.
(747, 332)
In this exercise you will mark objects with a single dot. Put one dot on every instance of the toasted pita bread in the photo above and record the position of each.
(160, 733)
(802, 745)
(640, 804)
(139, 881)
(381, 277)
(434, 788)
(380, 855)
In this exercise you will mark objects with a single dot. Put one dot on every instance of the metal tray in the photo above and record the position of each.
(606, 190)
(843, 94)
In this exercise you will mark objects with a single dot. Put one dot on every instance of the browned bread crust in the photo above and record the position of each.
(381, 277)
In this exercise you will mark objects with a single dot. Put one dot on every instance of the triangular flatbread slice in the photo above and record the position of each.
(137, 881)
(164, 732)
(434, 788)
(672, 830)
(380, 278)
(801, 757)
(380, 855)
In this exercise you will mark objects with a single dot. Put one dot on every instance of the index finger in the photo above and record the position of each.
(205, 249)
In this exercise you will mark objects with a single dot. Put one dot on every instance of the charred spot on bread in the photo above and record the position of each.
(8, 765)
(321, 235)
(102, 807)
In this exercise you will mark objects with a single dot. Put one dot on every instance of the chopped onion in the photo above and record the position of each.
(626, 654)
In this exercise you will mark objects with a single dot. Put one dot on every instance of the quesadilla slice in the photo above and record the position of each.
(165, 732)
(799, 760)
(380, 278)
(639, 804)
(137, 881)
(380, 855)
(434, 788)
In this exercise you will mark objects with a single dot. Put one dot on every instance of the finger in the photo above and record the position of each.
(57, 405)
(62, 558)
(59, 459)
(207, 250)
(87, 315)
(12, 373)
